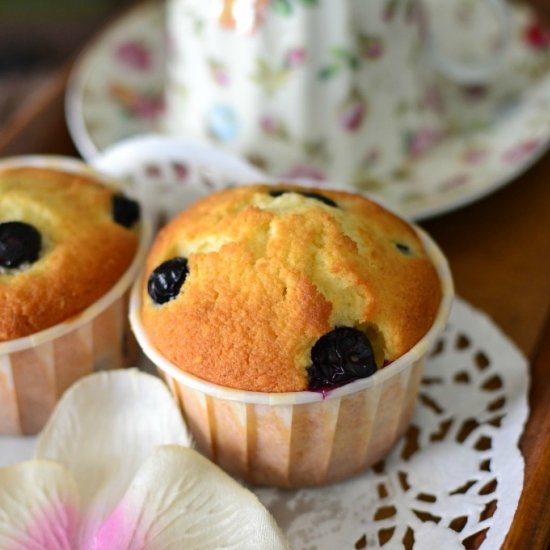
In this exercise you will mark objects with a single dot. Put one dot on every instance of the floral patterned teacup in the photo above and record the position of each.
(319, 89)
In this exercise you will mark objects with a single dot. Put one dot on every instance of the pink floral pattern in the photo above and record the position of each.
(537, 36)
(295, 58)
(489, 153)
(134, 54)
(144, 105)
(419, 142)
(274, 127)
(518, 153)
(475, 92)
(219, 73)
(181, 171)
(371, 47)
(305, 171)
(455, 181)
(353, 112)
(153, 171)
(474, 156)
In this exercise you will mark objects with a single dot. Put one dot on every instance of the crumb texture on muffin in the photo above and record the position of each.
(269, 271)
(82, 250)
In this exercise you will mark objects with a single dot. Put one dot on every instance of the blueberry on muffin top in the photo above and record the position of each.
(65, 240)
(19, 243)
(286, 288)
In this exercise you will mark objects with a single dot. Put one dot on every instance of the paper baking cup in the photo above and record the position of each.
(35, 370)
(298, 439)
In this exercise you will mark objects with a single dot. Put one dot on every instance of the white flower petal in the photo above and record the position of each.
(103, 429)
(38, 507)
(179, 499)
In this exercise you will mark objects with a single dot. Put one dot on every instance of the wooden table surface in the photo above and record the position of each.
(499, 251)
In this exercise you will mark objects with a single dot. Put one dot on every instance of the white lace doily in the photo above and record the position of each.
(454, 480)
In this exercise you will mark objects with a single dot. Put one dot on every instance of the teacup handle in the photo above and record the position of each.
(478, 73)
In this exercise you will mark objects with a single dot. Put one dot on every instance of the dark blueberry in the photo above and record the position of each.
(307, 194)
(167, 279)
(19, 243)
(404, 249)
(126, 211)
(340, 356)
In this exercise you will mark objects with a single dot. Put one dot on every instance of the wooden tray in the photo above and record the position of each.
(499, 250)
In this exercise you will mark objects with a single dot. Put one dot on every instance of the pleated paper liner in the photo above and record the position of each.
(37, 369)
(300, 439)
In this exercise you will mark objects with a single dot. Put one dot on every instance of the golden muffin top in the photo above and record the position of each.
(65, 240)
(285, 288)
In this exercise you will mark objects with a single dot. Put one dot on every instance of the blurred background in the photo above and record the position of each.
(38, 37)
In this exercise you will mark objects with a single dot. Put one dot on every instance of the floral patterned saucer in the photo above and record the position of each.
(494, 132)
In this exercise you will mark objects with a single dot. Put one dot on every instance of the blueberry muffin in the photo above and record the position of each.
(65, 240)
(283, 288)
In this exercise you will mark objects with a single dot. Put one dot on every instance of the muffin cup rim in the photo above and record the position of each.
(418, 351)
(145, 233)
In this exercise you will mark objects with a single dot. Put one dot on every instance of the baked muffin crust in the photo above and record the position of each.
(270, 275)
(83, 250)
